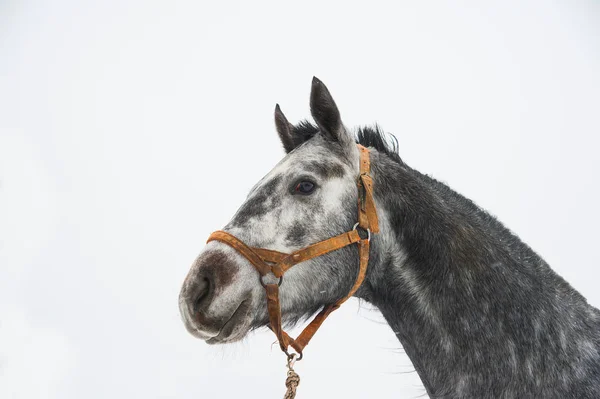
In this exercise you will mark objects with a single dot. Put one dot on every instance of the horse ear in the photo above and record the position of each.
(284, 129)
(326, 113)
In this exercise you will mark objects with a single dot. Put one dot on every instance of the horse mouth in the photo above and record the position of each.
(236, 327)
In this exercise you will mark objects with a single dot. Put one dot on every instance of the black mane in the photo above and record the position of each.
(368, 136)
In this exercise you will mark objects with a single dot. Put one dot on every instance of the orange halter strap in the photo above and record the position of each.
(268, 261)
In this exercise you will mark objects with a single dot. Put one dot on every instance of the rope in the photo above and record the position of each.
(292, 381)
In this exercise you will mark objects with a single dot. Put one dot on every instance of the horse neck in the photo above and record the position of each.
(478, 312)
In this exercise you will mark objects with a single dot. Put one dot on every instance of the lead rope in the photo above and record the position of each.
(293, 379)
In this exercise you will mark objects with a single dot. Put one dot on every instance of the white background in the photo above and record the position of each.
(129, 130)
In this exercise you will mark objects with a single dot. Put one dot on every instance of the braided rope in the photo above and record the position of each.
(292, 381)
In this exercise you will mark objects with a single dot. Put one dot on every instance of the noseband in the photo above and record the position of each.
(268, 261)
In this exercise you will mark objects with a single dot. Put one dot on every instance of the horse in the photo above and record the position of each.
(478, 312)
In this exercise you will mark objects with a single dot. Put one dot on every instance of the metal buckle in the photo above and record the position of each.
(367, 230)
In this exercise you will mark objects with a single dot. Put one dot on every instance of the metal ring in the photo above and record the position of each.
(264, 284)
(290, 356)
(368, 231)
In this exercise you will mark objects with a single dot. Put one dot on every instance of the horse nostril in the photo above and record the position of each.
(201, 293)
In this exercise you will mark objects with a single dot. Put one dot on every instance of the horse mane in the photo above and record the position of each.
(368, 136)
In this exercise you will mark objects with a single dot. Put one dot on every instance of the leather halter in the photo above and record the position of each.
(268, 261)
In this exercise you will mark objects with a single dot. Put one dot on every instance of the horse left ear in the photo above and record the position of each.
(326, 113)
(284, 129)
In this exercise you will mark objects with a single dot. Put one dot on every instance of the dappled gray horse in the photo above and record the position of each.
(478, 312)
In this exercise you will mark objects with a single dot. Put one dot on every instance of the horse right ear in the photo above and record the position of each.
(284, 129)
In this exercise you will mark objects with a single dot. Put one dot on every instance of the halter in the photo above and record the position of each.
(268, 261)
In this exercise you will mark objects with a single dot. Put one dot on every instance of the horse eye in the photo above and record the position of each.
(305, 187)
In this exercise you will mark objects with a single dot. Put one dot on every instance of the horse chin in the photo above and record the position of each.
(236, 328)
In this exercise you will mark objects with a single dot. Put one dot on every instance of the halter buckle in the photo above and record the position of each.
(356, 227)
